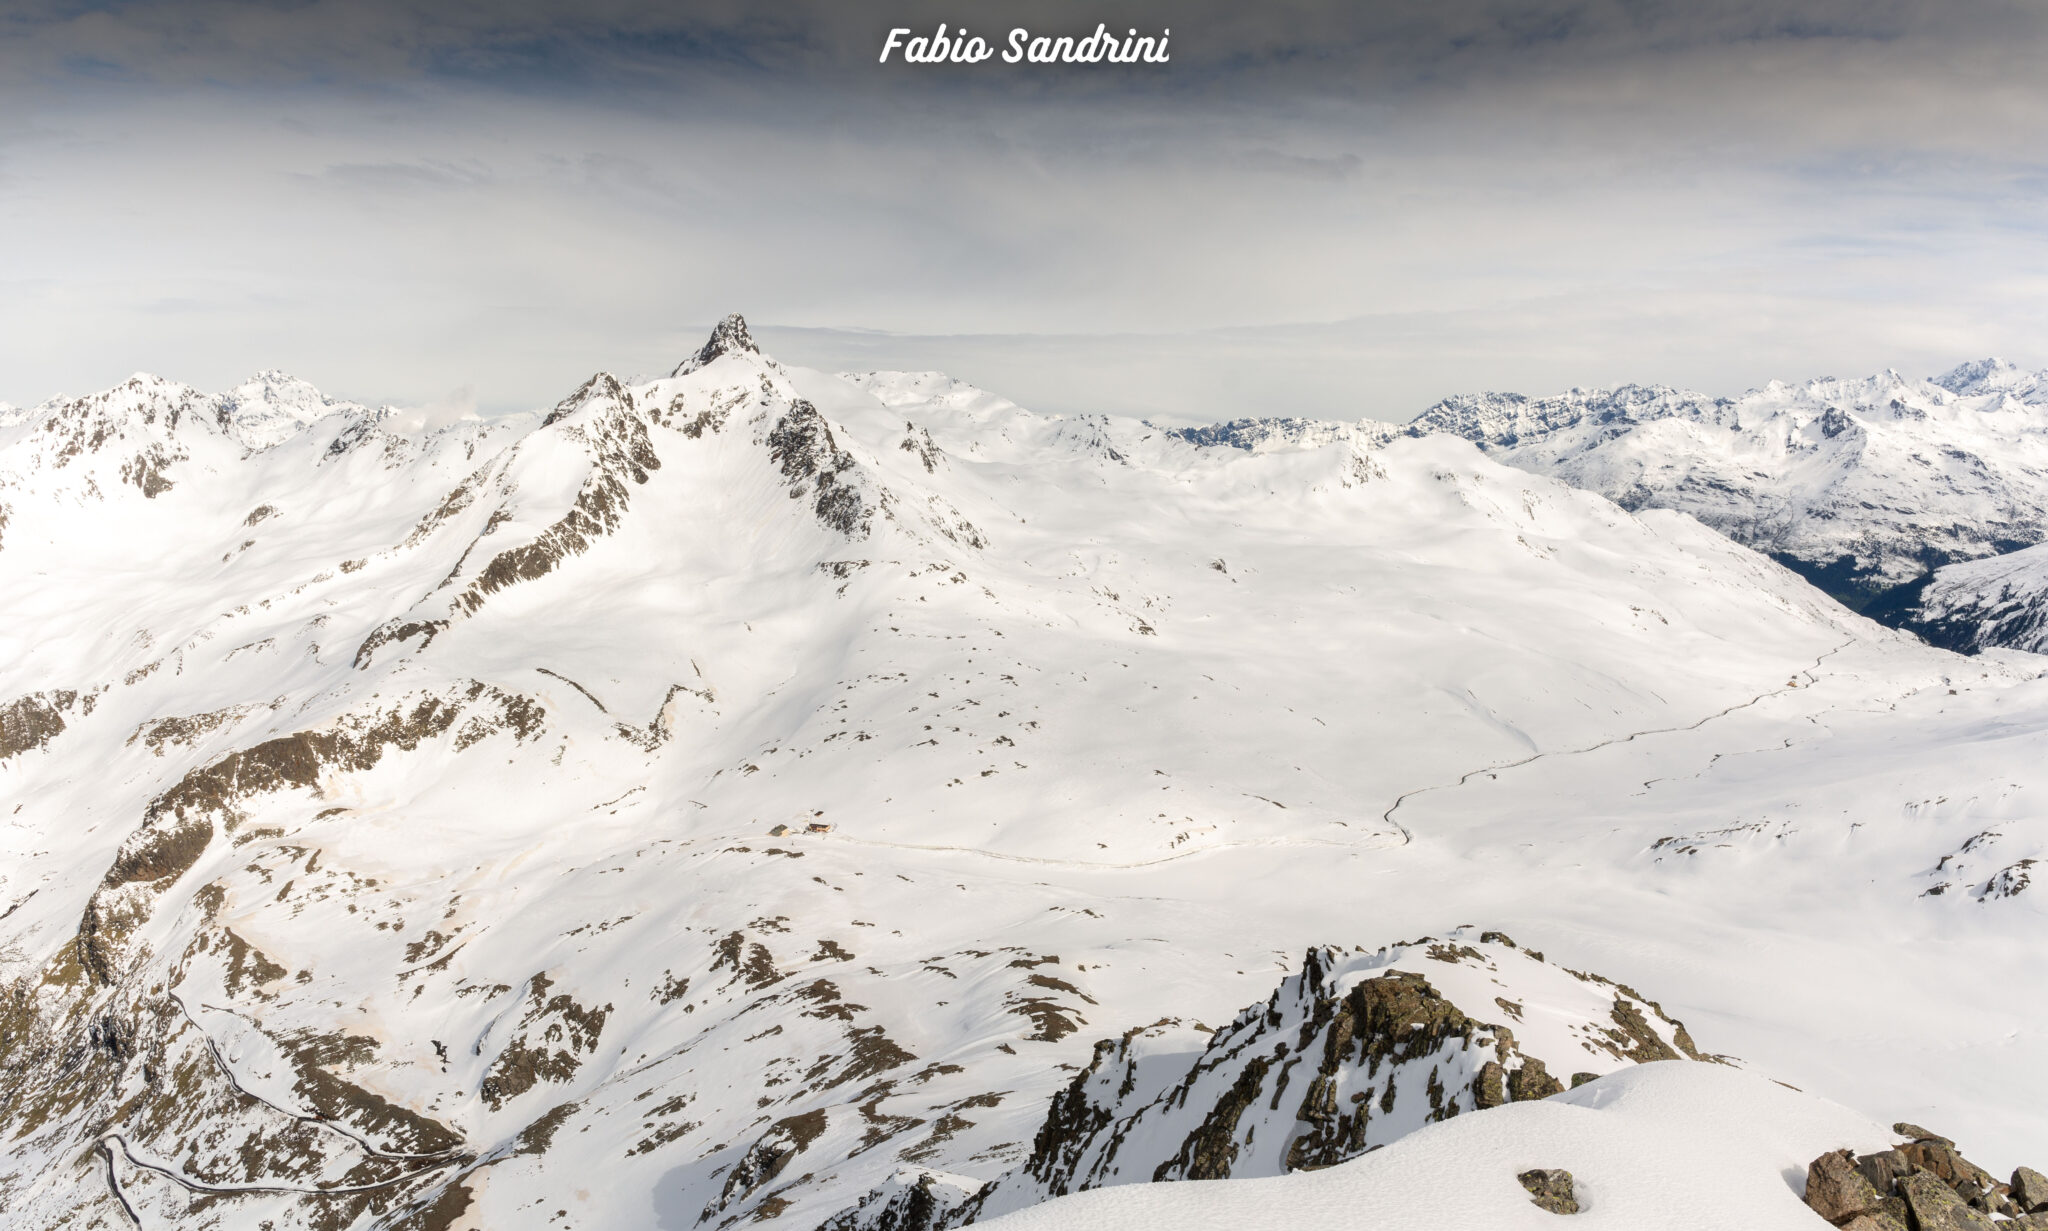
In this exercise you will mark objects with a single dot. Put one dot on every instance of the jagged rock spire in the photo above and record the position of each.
(728, 337)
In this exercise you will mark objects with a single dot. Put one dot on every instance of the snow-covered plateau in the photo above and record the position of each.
(758, 795)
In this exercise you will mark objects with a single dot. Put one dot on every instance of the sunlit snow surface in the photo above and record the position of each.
(1108, 727)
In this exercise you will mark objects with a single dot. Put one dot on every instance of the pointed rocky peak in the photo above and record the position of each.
(1981, 376)
(728, 337)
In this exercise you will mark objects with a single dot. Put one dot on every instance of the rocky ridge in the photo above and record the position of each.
(1358, 1049)
(1922, 1184)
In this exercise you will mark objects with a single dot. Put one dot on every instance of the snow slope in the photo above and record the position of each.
(390, 813)
(1683, 1147)
(2001, 601)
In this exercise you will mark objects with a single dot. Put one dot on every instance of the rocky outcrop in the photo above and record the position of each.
(813, 464)
(1550, 1189)
(27, 723)
(766, 1159)
(1921, 1184)
(1355, 1051)
(911, 1200)
(555, 1034)
(2029, 1189)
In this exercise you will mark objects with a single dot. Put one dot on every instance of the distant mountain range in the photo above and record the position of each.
(1866, 487)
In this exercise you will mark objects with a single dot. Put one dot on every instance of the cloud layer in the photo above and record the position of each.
(1332, 209)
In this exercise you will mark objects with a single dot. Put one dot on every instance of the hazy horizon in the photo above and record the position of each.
(1313, 209)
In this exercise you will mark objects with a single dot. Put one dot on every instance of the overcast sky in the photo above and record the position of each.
(1331, 209)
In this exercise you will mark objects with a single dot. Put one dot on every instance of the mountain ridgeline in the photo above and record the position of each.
(1869, 488)
(757, 795)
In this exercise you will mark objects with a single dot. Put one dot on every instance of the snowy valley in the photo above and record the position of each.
(759, 795)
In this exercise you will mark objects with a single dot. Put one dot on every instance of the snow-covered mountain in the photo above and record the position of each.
(2001, 601)
(1864, 486)
(1861, 484)
(762, 795)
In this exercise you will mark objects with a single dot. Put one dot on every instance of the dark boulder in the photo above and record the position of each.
(1936, 1207)
(2030, 1190)
(1882, 1168)
(1836, 1190)
(1550, 1189)
(1913, 1132)
(1949, 1166)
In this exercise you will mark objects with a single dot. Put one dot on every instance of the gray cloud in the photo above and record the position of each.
(1346, 208)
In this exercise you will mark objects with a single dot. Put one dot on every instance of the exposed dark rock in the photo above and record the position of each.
(909, 1201)
(1489, 1089)
(1939, 1157)
(180, 824)
(1936, 1207)
(766, 1159)
(1883, 1167)
(399, 629)
(2030, 1190)
(1635, 1038)
(748, 960)
(1913, 1132)
(917, 440)
(1924, 1185)
(161, 733)
(801, 444)
(1551, 1190)
(27, 723)
(554, 1035)
(1209, 1151)
(319, 1060)
(1836, 1190)
(728, 337)
(1349, 1054)
(601, 416)
(112, 1037)
(1532, 1081)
